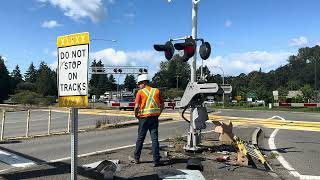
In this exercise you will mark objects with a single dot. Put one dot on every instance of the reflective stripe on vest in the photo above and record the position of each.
(148, 109)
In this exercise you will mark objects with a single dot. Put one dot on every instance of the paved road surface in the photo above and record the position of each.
(300, 149)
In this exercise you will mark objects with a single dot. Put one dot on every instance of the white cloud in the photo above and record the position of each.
(53, 66)
(300, 41)
(78, 9)
(50, 24)
(228, 23)
(111, 57)
(237, 63)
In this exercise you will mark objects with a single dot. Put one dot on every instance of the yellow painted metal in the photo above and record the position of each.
(260, 156)
(270, 123)
(73, 101)
(73, 39)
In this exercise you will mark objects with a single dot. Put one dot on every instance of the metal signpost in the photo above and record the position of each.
(73, 57)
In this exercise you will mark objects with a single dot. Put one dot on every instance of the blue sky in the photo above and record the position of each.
(245, 34)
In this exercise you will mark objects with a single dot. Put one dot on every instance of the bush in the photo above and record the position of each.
(26, 97)
(172, 93)
(46, 101)
(32, 98)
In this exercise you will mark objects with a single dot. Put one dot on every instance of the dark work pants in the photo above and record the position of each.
(145, 124)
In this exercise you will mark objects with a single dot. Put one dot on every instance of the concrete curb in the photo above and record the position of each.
(255, 136)
(134, 122)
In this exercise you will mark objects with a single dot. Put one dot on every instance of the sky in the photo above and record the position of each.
(245, 35)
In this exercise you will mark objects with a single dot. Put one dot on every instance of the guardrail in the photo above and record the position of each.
(28, 121)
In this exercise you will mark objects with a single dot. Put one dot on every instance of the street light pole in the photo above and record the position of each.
(315, 74)
(177, 76)
(315, 78)
(99, 39)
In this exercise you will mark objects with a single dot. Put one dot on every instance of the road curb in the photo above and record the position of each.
(255, 136)
(132, 123)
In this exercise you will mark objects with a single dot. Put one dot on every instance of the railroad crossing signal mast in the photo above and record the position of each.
(195, 92)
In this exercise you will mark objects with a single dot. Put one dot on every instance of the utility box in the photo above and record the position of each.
(199, 116)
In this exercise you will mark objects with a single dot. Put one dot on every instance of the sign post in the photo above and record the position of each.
(73, 57)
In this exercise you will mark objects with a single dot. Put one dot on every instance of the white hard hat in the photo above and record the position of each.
(142, 77)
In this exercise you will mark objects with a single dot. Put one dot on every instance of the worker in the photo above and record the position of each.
(148, 107)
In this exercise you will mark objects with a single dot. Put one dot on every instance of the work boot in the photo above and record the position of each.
(134, 160)
(157, 164)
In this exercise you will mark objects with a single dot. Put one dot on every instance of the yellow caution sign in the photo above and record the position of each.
(73, 101)
(73, 57)
(73, 39)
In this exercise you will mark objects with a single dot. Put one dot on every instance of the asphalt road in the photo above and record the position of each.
(301, 149)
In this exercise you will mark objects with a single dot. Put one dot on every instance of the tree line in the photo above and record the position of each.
(36, 86)
(300, 73)
(100, 83)
(39, 85)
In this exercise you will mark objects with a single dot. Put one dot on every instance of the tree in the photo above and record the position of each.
(130, 82)
(112, 83)
(31, 74)
(102, 85)
(282, 92)
(4, 81)
(26, 86)
(46, 82)
(169, 70)
(307, 92)
(93, 83)
(16, 77)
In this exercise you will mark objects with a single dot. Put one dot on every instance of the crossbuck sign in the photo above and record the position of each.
(73, 56)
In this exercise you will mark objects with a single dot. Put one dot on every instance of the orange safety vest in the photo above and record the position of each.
(150, 102)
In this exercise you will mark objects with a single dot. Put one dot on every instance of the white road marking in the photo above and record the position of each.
(281, 159)
(15, 160)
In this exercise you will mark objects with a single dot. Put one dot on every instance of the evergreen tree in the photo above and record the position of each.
(46, 82)
(130, 82)
(16, 78)
(4, 81)
(31, 74)
(112, 83)
(95, 78)
(102, 85)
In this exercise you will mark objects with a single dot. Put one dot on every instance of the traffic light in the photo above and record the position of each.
(143, 70)
(115, 70)
(167, 48)
(189, 48)
(205, 50)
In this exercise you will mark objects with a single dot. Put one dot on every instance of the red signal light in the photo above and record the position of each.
(189, 48)
(167, 48)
